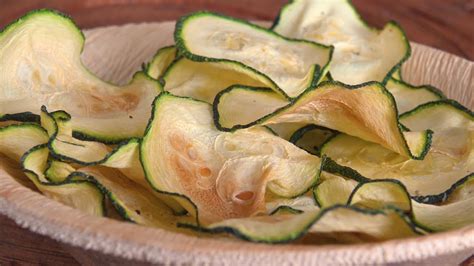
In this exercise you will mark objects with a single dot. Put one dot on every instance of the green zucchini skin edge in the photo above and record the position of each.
(66, 181)
(146, 66)
(296, 235)
(105, 192)
(286, 208)
(20, 117)
(428, 135)
(395, 68)
(394, 181)
(318, 71)
(448, 102)
(443, 196)
(430, 88)
(298, 134)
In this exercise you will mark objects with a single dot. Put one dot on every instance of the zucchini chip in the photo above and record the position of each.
(222, 174)
(281, 228)
(161, 61)
(293, 65)
(449, 160)
(40, 54)
(347, 109)
(17, 139)
(78, 194)
(408, 96)
(451, 215)
(124, 157)
(361, 53)
(439, 115)
(133, 202)
(204, 80)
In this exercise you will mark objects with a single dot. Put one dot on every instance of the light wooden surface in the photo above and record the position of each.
(439, 23)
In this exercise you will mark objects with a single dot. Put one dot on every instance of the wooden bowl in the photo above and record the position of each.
(115, 53)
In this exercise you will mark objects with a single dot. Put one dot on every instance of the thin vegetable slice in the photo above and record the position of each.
(430, 217)
(439, 115)
(449, 160)
(133, 202)
(204, 80)
(40, 56)
(243, 105)
(124, 157)
(379, 224)
(81, 195)
(224, 174)
(424, 179)
(345, 109)
(361, 53)
(17, 139)
(293, 65)
(408, 96)
(161, 61)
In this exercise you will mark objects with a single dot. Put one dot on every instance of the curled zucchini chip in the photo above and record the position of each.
(78, 194)
(449, 160)
(408, 96)
(41, 57)
(295, 64)
(345, 109)
(446, 163)
(454, 214)
(224, 175)
(124, 157)
(133, 202)
(161, 61)
(17, 139)
(64, 146)
(204, 80)
(361, 53)
(280, 228)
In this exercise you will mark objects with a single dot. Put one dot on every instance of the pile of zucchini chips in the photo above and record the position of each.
(265, 134)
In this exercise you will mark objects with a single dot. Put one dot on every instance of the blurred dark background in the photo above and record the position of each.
(444, 24)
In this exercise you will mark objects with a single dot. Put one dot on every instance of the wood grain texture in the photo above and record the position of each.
(445, 24)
